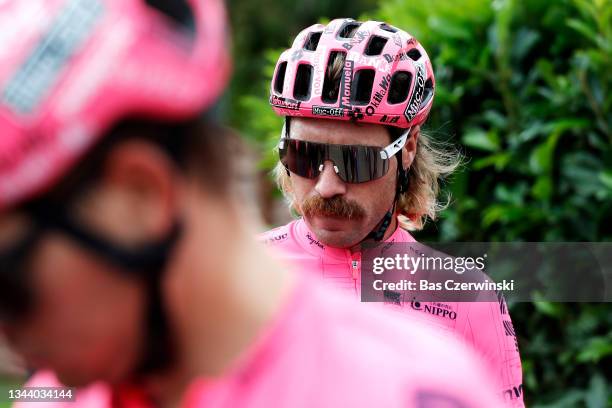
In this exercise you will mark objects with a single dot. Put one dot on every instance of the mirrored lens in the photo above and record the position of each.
(302, 158)
(355, 163)
(358, 164)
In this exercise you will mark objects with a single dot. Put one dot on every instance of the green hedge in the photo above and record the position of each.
(524, 88)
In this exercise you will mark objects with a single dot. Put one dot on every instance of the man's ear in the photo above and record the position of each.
(136, 196)
(410, 148)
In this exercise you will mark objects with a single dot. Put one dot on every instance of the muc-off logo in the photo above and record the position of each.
(284, 103)
(327, 111)
(437, 309)
(345, 85)
(417, 96)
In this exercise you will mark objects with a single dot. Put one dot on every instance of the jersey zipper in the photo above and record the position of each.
(356, 271)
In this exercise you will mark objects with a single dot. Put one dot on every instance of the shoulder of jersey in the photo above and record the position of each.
(274, 236)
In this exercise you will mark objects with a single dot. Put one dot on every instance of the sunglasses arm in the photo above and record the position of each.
(396, 146)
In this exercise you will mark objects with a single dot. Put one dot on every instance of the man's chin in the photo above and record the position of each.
(82, 379)
(71, 380)
(334, 232)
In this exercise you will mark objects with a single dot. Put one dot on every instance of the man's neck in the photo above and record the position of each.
(390, 231)
(254, 289)
(226, 294)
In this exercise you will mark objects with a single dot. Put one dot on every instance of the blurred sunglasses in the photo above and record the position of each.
(352, 163)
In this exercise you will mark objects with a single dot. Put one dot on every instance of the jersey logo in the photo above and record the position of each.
(436, 309)
(314, 241)
(513, 393)
(392, 297)
(436, 399)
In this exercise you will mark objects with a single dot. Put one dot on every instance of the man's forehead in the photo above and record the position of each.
(338, 132)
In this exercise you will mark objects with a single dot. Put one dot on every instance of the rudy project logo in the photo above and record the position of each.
(284, 103)
(417, 96)
(355, 114)
(327, 111)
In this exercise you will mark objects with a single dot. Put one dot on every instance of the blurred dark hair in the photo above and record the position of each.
(199, 147)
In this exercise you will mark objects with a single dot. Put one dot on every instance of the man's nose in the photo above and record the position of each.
(329, 184)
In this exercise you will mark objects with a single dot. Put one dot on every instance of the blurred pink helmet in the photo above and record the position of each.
(70, 69)
(386, 78)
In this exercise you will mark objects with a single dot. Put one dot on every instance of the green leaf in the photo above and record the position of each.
(595, 350)
(481, 140)
(606, 178)
(498, 160)
(548, 308)
(583, 29)
(543, 188)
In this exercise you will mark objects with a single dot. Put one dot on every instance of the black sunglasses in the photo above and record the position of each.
(352, 163)
(46, 216)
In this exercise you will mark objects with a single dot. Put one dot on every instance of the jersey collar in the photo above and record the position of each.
(309, 242)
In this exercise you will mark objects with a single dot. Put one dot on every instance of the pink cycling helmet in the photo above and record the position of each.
(70, 69)
(387, 77)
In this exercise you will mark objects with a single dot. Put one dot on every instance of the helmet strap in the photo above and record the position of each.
(402, 186)
(285, 134)
(148, 262)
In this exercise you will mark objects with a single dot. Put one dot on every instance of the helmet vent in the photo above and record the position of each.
(312, 42)
(348, 29)
(279, 81)
(301, 89)
(362, 86)
(400, 85)
(387, 27)
(375, 45)
(179, 11)
(427, 93)
(333, 74)
(414, 54)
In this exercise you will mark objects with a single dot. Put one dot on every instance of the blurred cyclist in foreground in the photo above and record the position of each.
(357, 168)
(126, 264)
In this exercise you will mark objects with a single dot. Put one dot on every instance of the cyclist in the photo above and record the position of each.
(125, 260)
(350, 91)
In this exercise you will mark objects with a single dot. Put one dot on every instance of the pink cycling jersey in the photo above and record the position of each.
(319, 351)
(484, 325)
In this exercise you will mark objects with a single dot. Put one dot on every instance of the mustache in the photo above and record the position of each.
(332, 207)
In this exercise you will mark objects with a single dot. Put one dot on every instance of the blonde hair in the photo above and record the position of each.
(433, 161)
